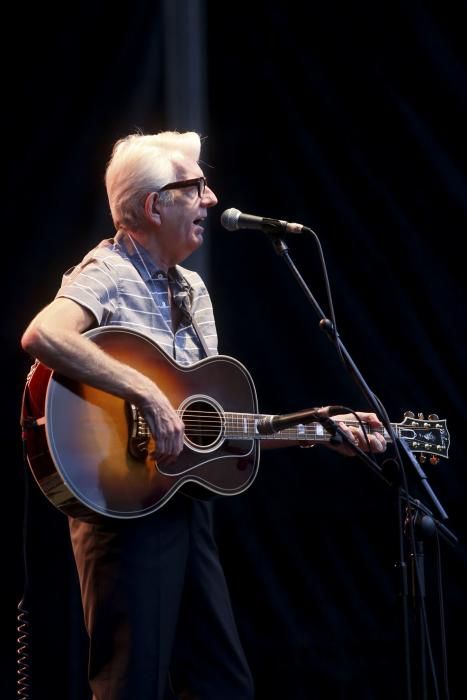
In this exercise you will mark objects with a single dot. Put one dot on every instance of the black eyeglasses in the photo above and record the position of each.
(199, 182)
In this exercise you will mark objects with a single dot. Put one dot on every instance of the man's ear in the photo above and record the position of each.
(151, 207)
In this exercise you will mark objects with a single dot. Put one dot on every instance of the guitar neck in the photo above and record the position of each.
(427, 436)
(243, 426)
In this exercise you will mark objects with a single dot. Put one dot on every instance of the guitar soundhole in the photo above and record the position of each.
(204, 425)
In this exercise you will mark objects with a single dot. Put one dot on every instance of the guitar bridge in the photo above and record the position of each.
(138, 433)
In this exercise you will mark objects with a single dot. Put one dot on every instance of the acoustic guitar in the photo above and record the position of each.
(89, 451)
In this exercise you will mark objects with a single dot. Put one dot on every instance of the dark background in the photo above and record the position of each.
(349, 118)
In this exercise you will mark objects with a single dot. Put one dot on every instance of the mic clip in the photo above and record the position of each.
(274, 227)
(333, 429)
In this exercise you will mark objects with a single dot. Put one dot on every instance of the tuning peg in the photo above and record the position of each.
(434, 459)
(433, 416)
(421, 416)
(409, 414)
(422, 458)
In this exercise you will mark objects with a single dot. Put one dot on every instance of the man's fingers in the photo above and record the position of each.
(372, 443)
(170, 443)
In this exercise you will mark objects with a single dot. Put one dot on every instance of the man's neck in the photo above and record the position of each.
(147, 241)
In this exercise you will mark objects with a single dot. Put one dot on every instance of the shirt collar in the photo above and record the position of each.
(144, 263)
(137, 255)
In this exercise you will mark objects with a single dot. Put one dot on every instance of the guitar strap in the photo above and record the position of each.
(189, 290)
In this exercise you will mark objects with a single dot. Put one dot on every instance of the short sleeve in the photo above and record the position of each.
(92, 284)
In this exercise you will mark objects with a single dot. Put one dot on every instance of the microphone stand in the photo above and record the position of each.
(415, 510)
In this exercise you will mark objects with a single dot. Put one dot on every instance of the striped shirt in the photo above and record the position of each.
(123, 287)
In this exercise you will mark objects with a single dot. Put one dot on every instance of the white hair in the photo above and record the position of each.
(143, 163)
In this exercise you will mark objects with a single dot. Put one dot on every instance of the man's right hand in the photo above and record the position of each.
(166, 427)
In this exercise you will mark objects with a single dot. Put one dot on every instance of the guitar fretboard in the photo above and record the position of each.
(243, 426)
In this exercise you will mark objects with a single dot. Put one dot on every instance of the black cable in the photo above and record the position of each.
(404, 594)
(442, 621)
(328, 295)
(382, 411)
(425, 642)
(23, 658)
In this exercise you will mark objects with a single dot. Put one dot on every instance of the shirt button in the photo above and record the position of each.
(160, 276)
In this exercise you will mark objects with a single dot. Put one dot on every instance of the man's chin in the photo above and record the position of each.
(197, 243)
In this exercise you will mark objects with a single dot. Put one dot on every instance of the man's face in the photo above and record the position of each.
(181, 230)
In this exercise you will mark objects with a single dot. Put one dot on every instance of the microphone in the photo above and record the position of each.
(274, 424)
(233, 219)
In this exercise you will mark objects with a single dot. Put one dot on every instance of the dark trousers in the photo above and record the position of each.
(157, 608)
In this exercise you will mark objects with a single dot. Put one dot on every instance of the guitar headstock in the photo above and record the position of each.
(425, 436)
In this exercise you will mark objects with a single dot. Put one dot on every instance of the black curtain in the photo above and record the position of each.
(348, 118)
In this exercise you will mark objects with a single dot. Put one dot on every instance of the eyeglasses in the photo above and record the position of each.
(199, 182)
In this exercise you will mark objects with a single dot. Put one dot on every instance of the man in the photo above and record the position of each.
(156, 604)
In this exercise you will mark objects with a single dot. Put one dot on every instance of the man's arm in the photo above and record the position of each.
(55, 338)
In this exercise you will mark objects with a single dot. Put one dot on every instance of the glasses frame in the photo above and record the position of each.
(200, 182)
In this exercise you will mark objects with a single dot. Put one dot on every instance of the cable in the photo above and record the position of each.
(413, 521)
(442, 621)
(328, 295)
(23, 681)
(23, 660)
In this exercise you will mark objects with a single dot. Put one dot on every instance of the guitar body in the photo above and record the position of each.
(89, 450)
